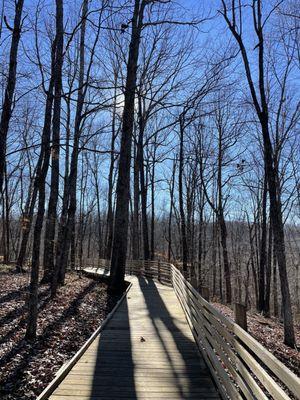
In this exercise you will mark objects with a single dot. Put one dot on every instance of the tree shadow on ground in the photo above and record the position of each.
(13, 295)
(25, 352)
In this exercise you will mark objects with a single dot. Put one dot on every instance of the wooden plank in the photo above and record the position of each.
(169, 386)
(125, 395)
(133, 390)
(141, 372)
(166, 364)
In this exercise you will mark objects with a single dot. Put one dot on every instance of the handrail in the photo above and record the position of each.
(150, 269)
(250, 367)
(241, 366)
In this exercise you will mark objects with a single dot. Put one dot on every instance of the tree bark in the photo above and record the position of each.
(153, 206)
(222, 223)
(143, 186)
(54, 186)
(172, 187)
(263, 251)
(266, 309)
(119, 248)
(136, 207)
(110, 213)
(184, 245)
(67, 226)
(6, 219)
(10, 87)
(28, 214)
(39, 188)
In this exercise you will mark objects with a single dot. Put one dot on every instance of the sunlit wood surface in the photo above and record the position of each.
(146, 351)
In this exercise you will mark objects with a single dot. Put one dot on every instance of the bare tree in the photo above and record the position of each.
(39, 189)
(119, 247)
(262, 110)
(10, 85)
(54, 187)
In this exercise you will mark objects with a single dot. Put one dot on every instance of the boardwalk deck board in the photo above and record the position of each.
(146, 352)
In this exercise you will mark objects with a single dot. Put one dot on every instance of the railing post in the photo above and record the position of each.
(240, 315)
(158, 270)
(194, 283)
(204, 291)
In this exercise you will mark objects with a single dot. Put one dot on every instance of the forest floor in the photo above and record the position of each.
(269, 332)
(64, 324)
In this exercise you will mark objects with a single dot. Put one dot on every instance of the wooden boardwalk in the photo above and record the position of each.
(146, 351)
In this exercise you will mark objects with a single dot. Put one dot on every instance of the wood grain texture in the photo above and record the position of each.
(147, 351)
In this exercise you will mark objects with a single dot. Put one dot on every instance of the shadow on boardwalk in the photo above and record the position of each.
(197, 382)
(146, 352)
(113, 376)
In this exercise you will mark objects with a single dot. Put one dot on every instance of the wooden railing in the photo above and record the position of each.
(241, 366)
(150, 269)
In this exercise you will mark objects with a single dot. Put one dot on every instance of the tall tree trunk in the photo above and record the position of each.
(266, 309)
(252, 262)
(73, 248)
(222, 224)
(119, 248)
(214, 254)
(6, 227)
(10, 87)
(144, 191)
(110, 213)
(3, 244)
(81, 220)
(136, 207)
(272, 176)
(34, 277)
(39, 188)
(54, 187)
(153, 208)
(227, 272)
(278, 231)
(67, 228)
(90, 224)
(263, 251)
(172, 187)
(200, 241)
(275, 289)
(220, 270)
(28, 214)
(184, 246)
(100, 247)
(6, 113)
